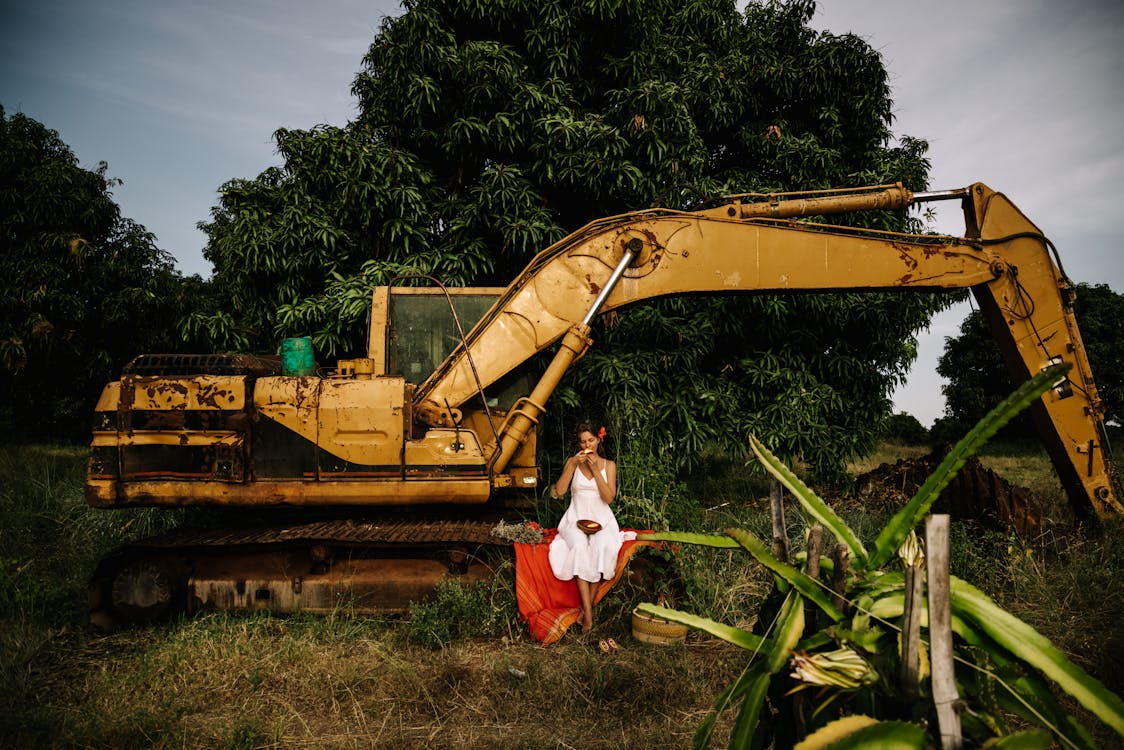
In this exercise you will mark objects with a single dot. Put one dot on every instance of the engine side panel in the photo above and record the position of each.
(274, 441)
(186, 427)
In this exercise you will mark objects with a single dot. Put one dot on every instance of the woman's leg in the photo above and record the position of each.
(585, 592)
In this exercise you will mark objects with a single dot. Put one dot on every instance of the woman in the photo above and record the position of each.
(591, 479)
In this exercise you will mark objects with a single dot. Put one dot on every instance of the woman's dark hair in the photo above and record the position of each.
(600, 432)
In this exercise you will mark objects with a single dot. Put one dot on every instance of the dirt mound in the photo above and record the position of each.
(976, 492)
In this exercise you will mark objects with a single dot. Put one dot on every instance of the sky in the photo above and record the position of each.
(179, 96)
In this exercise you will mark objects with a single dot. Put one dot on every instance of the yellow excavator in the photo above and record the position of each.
(372, 480)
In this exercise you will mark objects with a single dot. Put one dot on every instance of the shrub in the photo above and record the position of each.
(459, 612)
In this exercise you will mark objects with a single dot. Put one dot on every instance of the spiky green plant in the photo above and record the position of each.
(851, 659)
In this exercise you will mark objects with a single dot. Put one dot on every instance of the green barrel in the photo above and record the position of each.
(296, 357)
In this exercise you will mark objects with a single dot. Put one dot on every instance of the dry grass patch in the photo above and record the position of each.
(886, 453)
(221, 681)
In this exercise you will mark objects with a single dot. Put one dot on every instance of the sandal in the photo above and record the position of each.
(612, 644)
(604, 646)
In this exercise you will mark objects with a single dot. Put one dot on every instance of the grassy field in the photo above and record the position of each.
(458, 672)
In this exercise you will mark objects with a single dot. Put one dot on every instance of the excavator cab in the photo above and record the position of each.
(413, 331)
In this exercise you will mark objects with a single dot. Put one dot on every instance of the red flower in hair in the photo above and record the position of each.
(601, 433)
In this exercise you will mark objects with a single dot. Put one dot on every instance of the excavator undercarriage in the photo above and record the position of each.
(357, 565)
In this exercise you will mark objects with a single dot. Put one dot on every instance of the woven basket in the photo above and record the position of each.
(650, 629)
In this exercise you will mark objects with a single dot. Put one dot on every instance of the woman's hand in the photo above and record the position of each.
(585, 458)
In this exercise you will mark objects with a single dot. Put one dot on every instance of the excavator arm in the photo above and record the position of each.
(757, 246)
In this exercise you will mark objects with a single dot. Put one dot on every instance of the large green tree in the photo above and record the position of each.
(488, 129)
(82, 289)
(978, 378)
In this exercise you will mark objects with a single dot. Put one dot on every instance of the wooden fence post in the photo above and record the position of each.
(911, 630)
(780, 533)
(815, 549)
(945, 697)
(841, 557)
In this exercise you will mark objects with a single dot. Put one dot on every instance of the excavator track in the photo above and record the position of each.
(363, 566)
(341, 531)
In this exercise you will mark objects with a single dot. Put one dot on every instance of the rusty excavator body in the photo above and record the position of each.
(376, 478)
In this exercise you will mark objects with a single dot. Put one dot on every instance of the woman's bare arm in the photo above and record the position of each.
(607, 485)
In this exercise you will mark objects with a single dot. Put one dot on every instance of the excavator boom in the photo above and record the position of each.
(756, 247)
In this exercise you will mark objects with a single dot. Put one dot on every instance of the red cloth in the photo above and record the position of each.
(548, 605)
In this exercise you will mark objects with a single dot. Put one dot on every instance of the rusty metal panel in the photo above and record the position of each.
(378, 334)
(109, 398)
(361, 427)
(189, 428)
(263, 493)
(363, 586)
(290, 401)
(444, 453)
(192, 420)
(182, 456)
(102, 463)
(201, 392)
(285, 428)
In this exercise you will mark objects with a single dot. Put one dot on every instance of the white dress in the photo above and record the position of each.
(591, 557)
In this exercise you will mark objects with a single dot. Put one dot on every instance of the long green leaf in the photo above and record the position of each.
(1028, 696)
(791, 627)
(905, 520)
(729, 633)
(811, 502)
(1035, 649)
(687, 537)
(880, 583)
(745, 726)
(891, 606)
(806, 585)
(788, 634)
(1031, 739)
(729, 695)
(885, 735)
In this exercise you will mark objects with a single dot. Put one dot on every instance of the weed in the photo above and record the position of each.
(51, 538)
(459, 611)
(246, 734)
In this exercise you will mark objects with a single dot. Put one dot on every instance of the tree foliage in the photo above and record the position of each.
(905, 429)
(82, 289)
(488, 129)
(978, 378)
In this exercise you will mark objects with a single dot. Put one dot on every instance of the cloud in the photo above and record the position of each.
(1023, 96)
(245, 68)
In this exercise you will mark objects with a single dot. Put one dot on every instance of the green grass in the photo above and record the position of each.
(462, 671)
